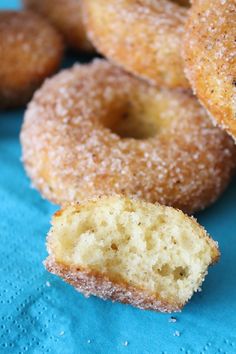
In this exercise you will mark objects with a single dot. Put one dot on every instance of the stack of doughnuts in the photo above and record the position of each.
(130, 125)
(115, 135)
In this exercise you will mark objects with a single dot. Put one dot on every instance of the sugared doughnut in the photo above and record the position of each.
(94, 130)
(210, 57)
(144, 37)
(146, 255)
(30, 50)
(66, 16)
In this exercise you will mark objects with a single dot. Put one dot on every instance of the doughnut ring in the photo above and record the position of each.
(30, 50)
(210, 59)
(95, 130)
(66, 16)
(143, 37)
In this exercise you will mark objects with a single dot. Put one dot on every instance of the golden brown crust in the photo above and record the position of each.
(143, 37)
(71, 156)
(66, 16)
(209, 52)
(30, 50)
(92, 283)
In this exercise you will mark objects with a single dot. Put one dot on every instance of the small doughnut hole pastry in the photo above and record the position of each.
(143, 37)
(66, 16)
(147, 255)
(30, 51)
(95, 130)
(210, 58)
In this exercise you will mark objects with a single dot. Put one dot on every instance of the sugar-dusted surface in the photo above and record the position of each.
(70, 155)
(144, 37)
(147, 255)
(90, 283)
(30, 50)
(66, 16)
(210, 58)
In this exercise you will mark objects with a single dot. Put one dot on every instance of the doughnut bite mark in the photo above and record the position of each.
(95, 130)
(143, 37)
(146, 255)
(66, 16)
(30, 50)
(210, 58)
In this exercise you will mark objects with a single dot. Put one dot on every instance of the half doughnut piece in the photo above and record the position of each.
(149, 256)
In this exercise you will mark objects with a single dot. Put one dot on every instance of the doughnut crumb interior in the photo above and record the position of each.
(147, 255)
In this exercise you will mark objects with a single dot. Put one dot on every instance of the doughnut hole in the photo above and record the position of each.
(140, 117)
(185, 3)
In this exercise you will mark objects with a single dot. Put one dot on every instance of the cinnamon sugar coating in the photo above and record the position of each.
(77, 141)
(66, 16)
(30, 51)
(90, 283)
(210, 58)
(143, 37)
